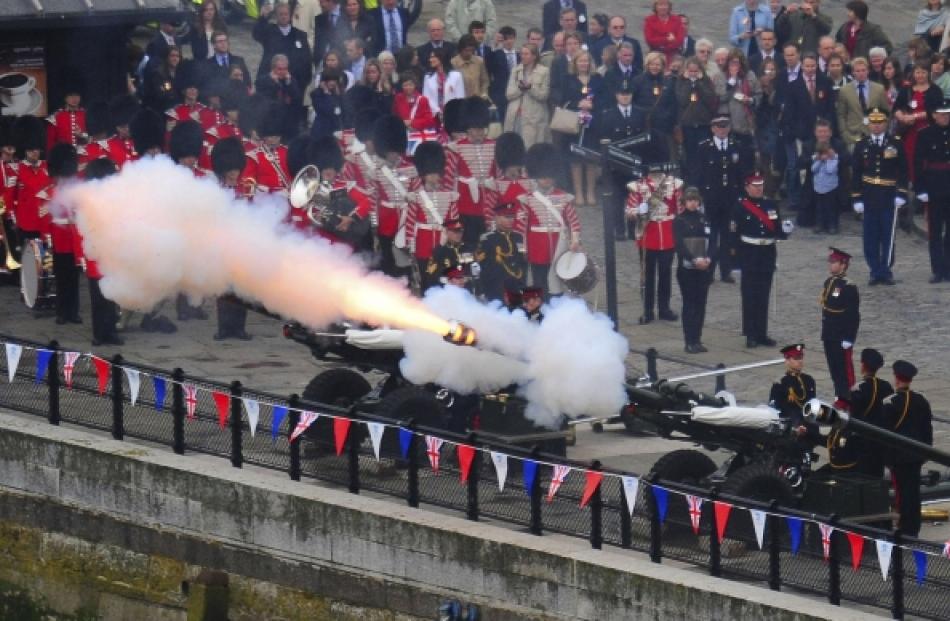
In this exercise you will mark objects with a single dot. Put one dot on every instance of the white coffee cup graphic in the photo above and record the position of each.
(15, 88)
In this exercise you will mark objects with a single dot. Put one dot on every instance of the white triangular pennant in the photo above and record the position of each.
(758, 523)
(14, 352)
(376, 436)
(826, 531)
(630, 487)
(253, 409)
(134, 382)
(501, 468)
(884, 549)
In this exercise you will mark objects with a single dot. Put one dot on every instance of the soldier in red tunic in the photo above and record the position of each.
(362, 164)
(227, 127)
(433, 199)
(190, 109)
(121, 148)
(342, 213)
(269, 159)
(509, 169)
(99, 126)
(32, 180)
(472, 160)
(63, 166)
(68, 124)
(653, 202)
(9, 169)
(393, 176)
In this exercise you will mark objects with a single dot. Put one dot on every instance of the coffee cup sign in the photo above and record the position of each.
(18, 93)
(16, 84)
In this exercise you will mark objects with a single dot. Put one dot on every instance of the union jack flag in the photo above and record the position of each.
(69, 363)
(191, 399)
(433, 445)
(695, 511)
(946, 549)
(560, 473)
(826, 530)
(306, 419)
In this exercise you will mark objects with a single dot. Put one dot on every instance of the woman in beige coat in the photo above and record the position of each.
(527, 93)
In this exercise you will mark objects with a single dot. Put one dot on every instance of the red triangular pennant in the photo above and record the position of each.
(341, 427)
(102, 372)
(466, 455)
(593, 479)
(223, 403)
(722, 510)
(857, 549)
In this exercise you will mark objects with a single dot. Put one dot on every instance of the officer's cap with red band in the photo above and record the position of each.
(836, 254)
(796, 351)
(532, 293)
(505, 209)
(755, 179)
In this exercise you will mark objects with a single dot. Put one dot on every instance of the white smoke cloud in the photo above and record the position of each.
(572, 363)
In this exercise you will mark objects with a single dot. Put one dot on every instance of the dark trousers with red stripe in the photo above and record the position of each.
(841, 367)
(906, 480)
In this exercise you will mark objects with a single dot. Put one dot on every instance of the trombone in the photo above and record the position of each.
(10, 263)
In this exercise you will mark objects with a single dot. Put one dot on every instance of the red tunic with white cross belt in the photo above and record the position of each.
(428, 209)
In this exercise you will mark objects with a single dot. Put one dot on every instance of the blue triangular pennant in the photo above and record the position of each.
(795, 531)
(280, 412)
(405, 437)
(920, 559)
(662, 496)
(159, 383)
(529, 471)
(42, 363)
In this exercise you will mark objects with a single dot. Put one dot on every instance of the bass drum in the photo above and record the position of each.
(577, 271)
(37, 282)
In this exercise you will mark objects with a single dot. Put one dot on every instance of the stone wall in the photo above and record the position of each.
(93, 524)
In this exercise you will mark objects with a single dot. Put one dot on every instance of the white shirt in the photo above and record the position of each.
(722, 143)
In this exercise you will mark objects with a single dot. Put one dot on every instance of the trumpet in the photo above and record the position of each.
(10, 263)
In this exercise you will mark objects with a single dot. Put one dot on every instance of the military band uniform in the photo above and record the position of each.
(878, 179)
(500, 256)
(908, 413)
(721, 171)
(756, 227)
(840, 318)
(932, 162)
(691, 231)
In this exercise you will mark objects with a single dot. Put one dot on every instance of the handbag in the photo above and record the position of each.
(565, 121)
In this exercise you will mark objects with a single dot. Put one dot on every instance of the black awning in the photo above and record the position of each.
(48, 14)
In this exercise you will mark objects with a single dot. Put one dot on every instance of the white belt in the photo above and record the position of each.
(389, 205)
(544, 229)
(662, 219)
(429, 227)
(757, 241)
(60, 221)
(472, 184)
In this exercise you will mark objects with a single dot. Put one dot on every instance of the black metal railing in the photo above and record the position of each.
(168, 412)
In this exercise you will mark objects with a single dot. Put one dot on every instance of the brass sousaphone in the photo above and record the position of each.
(325, 206)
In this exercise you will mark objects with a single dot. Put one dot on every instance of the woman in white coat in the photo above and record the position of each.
(528, 89)
(443, 83)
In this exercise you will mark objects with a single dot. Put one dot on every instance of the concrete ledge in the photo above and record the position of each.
(363, 551)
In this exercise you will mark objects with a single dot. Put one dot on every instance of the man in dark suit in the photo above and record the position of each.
(391, 23)
(499, 65)
(767, 41)
(551, 16)
(617, 34)
(282, 38)
(157, 48)
(482, 49)
(624, 70)
(621, 120)
(436, 28)
(805, 100)
(689, 43)
(218, 67)
(326, 35)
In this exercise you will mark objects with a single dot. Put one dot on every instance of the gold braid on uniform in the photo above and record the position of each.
(900, 421)
(501, 255)
(823, 298)
(793, 396)
(873, 397)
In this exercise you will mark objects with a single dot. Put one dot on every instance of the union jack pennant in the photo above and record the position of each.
(560, 473)
(191, 399)
(433, 446)
(69, 364)
(946, 549)
(826, 530)
(695, 511)
(306, 419)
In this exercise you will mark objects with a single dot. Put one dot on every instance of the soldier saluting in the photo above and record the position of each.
(907, 413)
(932, 160)
(878, 189)
(840, 317)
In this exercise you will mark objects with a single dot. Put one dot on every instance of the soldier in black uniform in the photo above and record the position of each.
(789, 394)
(907, 413)
(725, 160)
(500, 256)
(531, 300)
(755, 227)
(848, 451)
(617, 122)
(452, 253)
(693, 268)
(840, 317)
(932, 162)
(878, 189)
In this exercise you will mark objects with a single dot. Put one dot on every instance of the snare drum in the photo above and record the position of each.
(577, 271)
(37, 282)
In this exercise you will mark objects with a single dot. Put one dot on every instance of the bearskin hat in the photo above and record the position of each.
(233, 95)
(187, 76)
(186, 140)
(63, 161)
(122, 108)
(298, 154)
(543, 161)
(453, 116)
(429, 158)
(509, 150)
(98, 120)
(325, 153)
(6, 131)
(147, 130)
(252, 109)
(29, 133)
(73, 83)
(99, 169)
(272, 121)
(475, 112)
(227, 155)
(389, 135)
(364, 122)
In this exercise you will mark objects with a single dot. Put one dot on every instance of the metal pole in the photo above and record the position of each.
(610, 256)
(118, 423)
(897, 577)
(237, 449)
(52, 378)
(474, 473)
(775, 550)
(178, 411)
(293, 406)
(353, 452)
(596, 512)
(834, 566)
(715, 550)
(413, 472)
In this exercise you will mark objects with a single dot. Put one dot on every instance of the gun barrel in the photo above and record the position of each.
(894, 440)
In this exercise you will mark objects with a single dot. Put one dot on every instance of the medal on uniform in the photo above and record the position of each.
(656, 91)
(337, 111)
(693, 98)
(299, 45)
